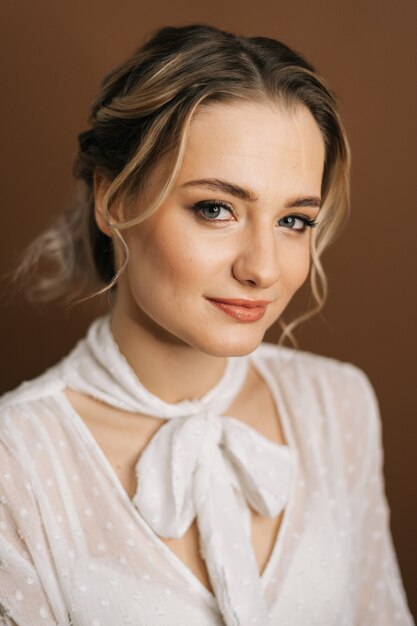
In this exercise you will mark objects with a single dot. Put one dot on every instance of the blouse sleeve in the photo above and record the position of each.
(381, 598)
(26, 592)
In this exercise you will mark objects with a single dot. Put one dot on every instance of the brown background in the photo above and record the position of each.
(53, 56)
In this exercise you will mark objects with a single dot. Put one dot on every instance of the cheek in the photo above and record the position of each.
(296, 266)
(304, 268)
(169, 260)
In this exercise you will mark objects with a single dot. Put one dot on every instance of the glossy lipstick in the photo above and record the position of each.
(241, 310)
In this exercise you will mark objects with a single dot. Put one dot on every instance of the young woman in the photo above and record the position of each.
(173, 469)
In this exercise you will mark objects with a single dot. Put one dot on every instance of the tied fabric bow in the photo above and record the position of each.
(200, 464)
(206, 467)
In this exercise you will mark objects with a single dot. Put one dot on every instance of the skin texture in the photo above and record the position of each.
(162, 319)
(174, 339)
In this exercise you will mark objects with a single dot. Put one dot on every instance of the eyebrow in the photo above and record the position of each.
(216, 184)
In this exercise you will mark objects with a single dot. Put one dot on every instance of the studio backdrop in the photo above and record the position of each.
(53, 57)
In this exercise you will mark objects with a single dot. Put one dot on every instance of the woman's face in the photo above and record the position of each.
(234, 227)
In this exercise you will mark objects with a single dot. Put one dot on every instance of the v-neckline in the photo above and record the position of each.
(174, 560)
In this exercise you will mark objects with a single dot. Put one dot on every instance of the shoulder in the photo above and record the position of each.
(25, 410)
(42, 386)
(332, 408)
(335, 399)
(326, 377)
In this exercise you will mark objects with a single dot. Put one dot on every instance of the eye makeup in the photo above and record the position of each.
(211, 210)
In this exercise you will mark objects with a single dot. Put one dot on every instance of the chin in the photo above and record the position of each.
(230, 343)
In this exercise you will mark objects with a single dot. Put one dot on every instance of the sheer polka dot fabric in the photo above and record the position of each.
(75, 550)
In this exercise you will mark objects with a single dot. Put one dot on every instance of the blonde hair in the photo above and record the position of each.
(143, 113)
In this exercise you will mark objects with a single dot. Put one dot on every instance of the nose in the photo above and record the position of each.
(257, 260)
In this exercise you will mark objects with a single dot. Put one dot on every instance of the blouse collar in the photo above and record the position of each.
(201, 464)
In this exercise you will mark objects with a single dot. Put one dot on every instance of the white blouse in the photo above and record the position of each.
(76, 551)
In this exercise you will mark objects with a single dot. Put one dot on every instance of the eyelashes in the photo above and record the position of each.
(214, 207)
(211, 210)
(291, 220)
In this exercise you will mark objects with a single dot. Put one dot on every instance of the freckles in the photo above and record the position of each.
(179, 260)
(304, 269)
(191, 256)
(296, 267)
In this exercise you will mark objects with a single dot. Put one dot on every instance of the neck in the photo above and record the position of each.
(169, 368)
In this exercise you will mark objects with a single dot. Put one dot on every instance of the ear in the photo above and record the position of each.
(101, 185)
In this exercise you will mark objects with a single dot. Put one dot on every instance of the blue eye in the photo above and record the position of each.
(212, 210)
(219, 211)
(300, 223)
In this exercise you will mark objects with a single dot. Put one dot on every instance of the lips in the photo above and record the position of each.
(240, 309)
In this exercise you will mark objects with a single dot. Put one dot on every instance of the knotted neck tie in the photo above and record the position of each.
(201, 464)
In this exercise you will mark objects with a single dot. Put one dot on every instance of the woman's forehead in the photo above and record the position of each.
(253, 143)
